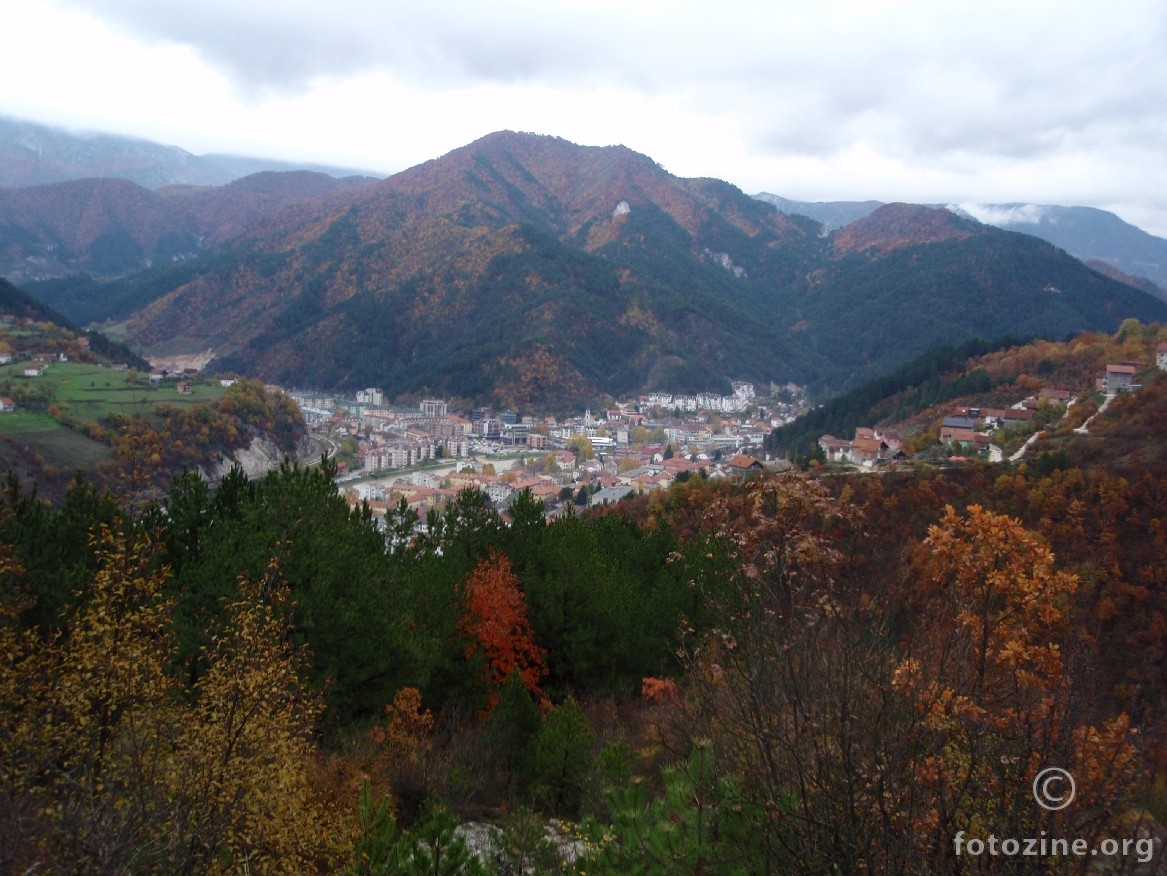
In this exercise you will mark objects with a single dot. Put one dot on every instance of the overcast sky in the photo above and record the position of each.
(938, 101)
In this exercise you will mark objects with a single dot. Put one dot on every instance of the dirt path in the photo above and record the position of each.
(1029, 442)
(1085, 427)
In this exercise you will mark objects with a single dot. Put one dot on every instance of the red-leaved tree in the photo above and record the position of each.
(497, 629)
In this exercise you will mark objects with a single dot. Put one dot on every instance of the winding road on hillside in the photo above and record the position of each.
(1081, 430)
(1085, 427)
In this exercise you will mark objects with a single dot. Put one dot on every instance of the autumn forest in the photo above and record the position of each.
(803, 673)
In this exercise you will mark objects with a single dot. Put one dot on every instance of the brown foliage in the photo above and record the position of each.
(895, 226)
(884, 687)
(986, 669)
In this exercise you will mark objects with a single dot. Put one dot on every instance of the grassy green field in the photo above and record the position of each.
(86, 392)
(25, 423)
(90, 392)
(59, 445)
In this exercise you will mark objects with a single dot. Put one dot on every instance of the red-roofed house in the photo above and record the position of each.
(419, 498)
(867, 451)
(965, 437)
(834, 448)
(743, 466)
(678, 464)
(545, 491)
(1119, 378)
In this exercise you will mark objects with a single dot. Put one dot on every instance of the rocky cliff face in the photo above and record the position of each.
(256, 460)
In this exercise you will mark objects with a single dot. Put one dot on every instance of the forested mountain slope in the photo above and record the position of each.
(112, 227)
(531, 271)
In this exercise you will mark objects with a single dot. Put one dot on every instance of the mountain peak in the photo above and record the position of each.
(510, 177)
(550, 145)
(541, 156)
(895, 226)
(532, 272)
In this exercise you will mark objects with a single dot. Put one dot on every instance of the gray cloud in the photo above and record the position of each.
(946, 86)
(265, 45)
(996, 214)
(1016, 79)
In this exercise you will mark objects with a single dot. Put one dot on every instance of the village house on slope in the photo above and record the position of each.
(867, 448)
(742, 466)
(1119, 377)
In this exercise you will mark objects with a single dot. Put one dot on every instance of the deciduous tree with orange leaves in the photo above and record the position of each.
(990, 669)
(496, 627)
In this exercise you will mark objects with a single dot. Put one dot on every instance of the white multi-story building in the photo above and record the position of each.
(743, 394)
